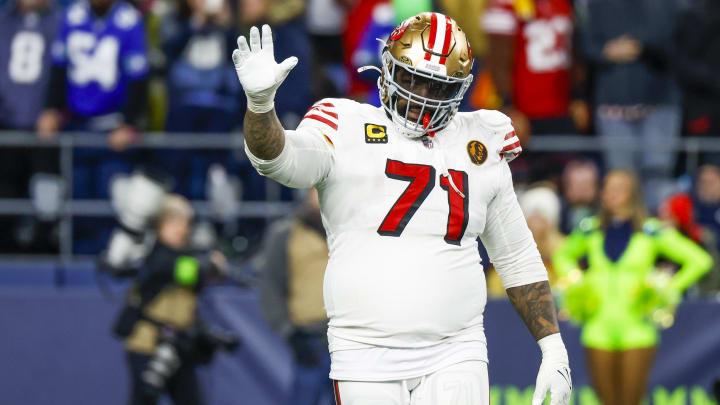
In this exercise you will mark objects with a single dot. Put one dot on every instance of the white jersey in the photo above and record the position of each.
(402, 218)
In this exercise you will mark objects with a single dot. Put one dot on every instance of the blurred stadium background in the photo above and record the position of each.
(151, 85)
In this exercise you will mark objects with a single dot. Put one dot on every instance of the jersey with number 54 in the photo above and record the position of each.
(403, 217)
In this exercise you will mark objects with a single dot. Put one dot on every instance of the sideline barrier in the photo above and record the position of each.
(56, 349)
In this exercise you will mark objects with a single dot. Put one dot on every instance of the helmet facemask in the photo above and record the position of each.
(419, 101)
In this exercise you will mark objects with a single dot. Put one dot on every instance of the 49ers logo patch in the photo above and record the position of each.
(375, 133)
(477, 151)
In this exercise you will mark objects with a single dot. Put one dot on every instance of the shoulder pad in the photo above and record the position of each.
(589, 224)
(494, 119)
(501, 132)
(653, 226)
(324, 115)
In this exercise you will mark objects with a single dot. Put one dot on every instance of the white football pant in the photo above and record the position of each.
(464, 383)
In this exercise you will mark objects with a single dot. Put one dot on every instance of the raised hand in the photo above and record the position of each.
(259, 74)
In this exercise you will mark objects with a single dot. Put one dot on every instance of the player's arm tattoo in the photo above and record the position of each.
(534, 303)
(264, 134)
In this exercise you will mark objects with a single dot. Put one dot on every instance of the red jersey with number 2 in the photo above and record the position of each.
(541, 72)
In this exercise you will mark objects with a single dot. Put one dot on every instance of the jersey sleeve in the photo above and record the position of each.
(507, 238)
(323, 117)
(134, 59)
(502, 136)
(500, 18)
(308, 156)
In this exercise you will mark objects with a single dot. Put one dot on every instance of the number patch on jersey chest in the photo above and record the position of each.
(422, 181)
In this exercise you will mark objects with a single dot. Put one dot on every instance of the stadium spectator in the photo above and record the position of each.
(292, 264)
(697, 63)
(202, 91)
(638, 114)
(706, 198)
(529, 57)
(613, 299)
(678, 210)
(325, 21)
(530, 60)
(380, 24)
(27, 28)
(541, 206)
(97, 84)
(203, 94)
(580, 182)
(359, 19)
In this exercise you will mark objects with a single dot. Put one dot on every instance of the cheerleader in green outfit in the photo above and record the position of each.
(615, 298)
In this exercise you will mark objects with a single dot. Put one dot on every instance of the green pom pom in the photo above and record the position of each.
(581, 300)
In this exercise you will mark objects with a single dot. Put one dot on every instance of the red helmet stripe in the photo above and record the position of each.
(433, 31)
(446, 44)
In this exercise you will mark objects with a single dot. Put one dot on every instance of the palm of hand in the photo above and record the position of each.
(257, 71)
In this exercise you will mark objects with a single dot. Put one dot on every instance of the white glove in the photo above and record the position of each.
(259, 74)
(554, 374)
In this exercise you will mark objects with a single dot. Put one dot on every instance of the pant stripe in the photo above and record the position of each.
(337, 393)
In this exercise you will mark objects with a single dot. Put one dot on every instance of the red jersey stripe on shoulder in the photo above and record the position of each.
(510, 135)
(323, 120)
(328, 106)
(330, 113)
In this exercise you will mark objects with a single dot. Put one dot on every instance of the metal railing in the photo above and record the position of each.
(66, 143)
(70, 208)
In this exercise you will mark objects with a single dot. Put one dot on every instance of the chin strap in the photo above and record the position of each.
(441, 160)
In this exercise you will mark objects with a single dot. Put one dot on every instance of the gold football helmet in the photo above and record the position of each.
(426, 70)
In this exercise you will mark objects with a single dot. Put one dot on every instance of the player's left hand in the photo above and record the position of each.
(554, 374)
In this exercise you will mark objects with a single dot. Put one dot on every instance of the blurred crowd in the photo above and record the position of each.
(638, 75)
(555, 212)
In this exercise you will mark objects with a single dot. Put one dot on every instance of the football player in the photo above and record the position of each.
(405, 191)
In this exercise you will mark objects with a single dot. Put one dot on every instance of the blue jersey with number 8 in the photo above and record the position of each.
(24, 64)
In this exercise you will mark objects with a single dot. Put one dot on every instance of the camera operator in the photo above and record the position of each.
(164, 340)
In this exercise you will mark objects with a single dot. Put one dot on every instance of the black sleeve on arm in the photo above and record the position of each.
(57, 88)
(136, 102)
